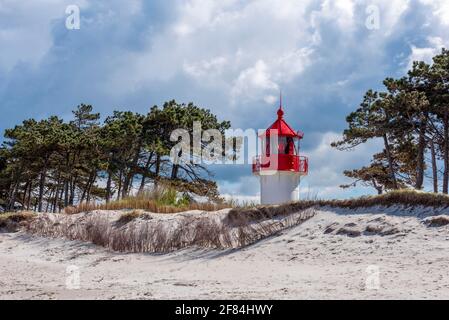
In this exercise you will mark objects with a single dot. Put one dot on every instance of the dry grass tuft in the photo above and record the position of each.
(13, 221)
(143, 204)
(407, 198)
(161, 200)
(164, 202)
(438, 221)
(130, 216)
(161, 236)
(241, 227)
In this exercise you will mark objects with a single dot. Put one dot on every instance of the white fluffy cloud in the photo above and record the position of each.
(249, 49)
(426, 53)
(327, 165)
(438, 37)
(440, 9)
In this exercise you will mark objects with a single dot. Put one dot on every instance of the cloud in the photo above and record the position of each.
(440, 9)
(253, 82)
(224, 44)
(25, 30)
(326, 164)
(231, 56)
(426, 53)
(437, 37)
(206, 68)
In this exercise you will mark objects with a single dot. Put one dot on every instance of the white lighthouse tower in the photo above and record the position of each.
(279, 165)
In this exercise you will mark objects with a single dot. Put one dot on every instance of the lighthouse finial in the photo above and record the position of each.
(280, 99)
(280, 111)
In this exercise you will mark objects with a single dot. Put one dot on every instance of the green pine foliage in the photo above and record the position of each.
(411, 118)
(51, 164)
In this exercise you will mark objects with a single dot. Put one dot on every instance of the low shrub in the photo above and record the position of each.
(12, 221)
(130, 216)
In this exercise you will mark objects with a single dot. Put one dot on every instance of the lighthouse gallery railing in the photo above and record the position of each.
(285, 162)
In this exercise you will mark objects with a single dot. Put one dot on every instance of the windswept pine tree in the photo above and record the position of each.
(411, 117)
(50, 164)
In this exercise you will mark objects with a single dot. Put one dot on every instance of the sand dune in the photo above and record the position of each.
(397, 252)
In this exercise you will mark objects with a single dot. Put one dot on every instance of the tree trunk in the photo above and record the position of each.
(56, 199)
(157, 171)
(49, 200)
(25, 191)
(390, 162)
(66, 180)
(14, 188)
(10, 191)
(377, 187)
(174, 171)
(434, 167)
(66, 193)
(420, 159)
(144, 174)
(130, 186)
(108, 187)
(119, 184)
(60, 199)
(30, 190)
(175, 167)
(87, 188)
(42, 184)
(446, 151)
(132, 170)
(92, 182)
(72, 191)
(74, 178)
(12, 196)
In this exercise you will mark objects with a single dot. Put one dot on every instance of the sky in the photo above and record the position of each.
(230, 56)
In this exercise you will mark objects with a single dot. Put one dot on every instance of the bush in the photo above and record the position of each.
(12, 221)
(438, 221)
(130, 216)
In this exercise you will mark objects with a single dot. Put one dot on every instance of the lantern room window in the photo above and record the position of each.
(286, 145)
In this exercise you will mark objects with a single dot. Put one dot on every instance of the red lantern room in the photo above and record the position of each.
(286, 154)
(279, 165)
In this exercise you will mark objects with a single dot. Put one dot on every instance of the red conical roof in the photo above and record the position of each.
(282, 128)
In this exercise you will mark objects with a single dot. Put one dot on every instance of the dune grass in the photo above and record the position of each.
(408, 198)
(403, 197)
(12, 221)
(167, 201)
(241, 226)
(160, 200)
(130, 233)
(130, 216)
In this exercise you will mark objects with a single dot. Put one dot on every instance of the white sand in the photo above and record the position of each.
(308, 261)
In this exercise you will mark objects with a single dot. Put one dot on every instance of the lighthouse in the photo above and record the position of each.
(279, 165)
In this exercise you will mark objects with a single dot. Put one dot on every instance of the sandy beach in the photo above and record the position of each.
(334, 255)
